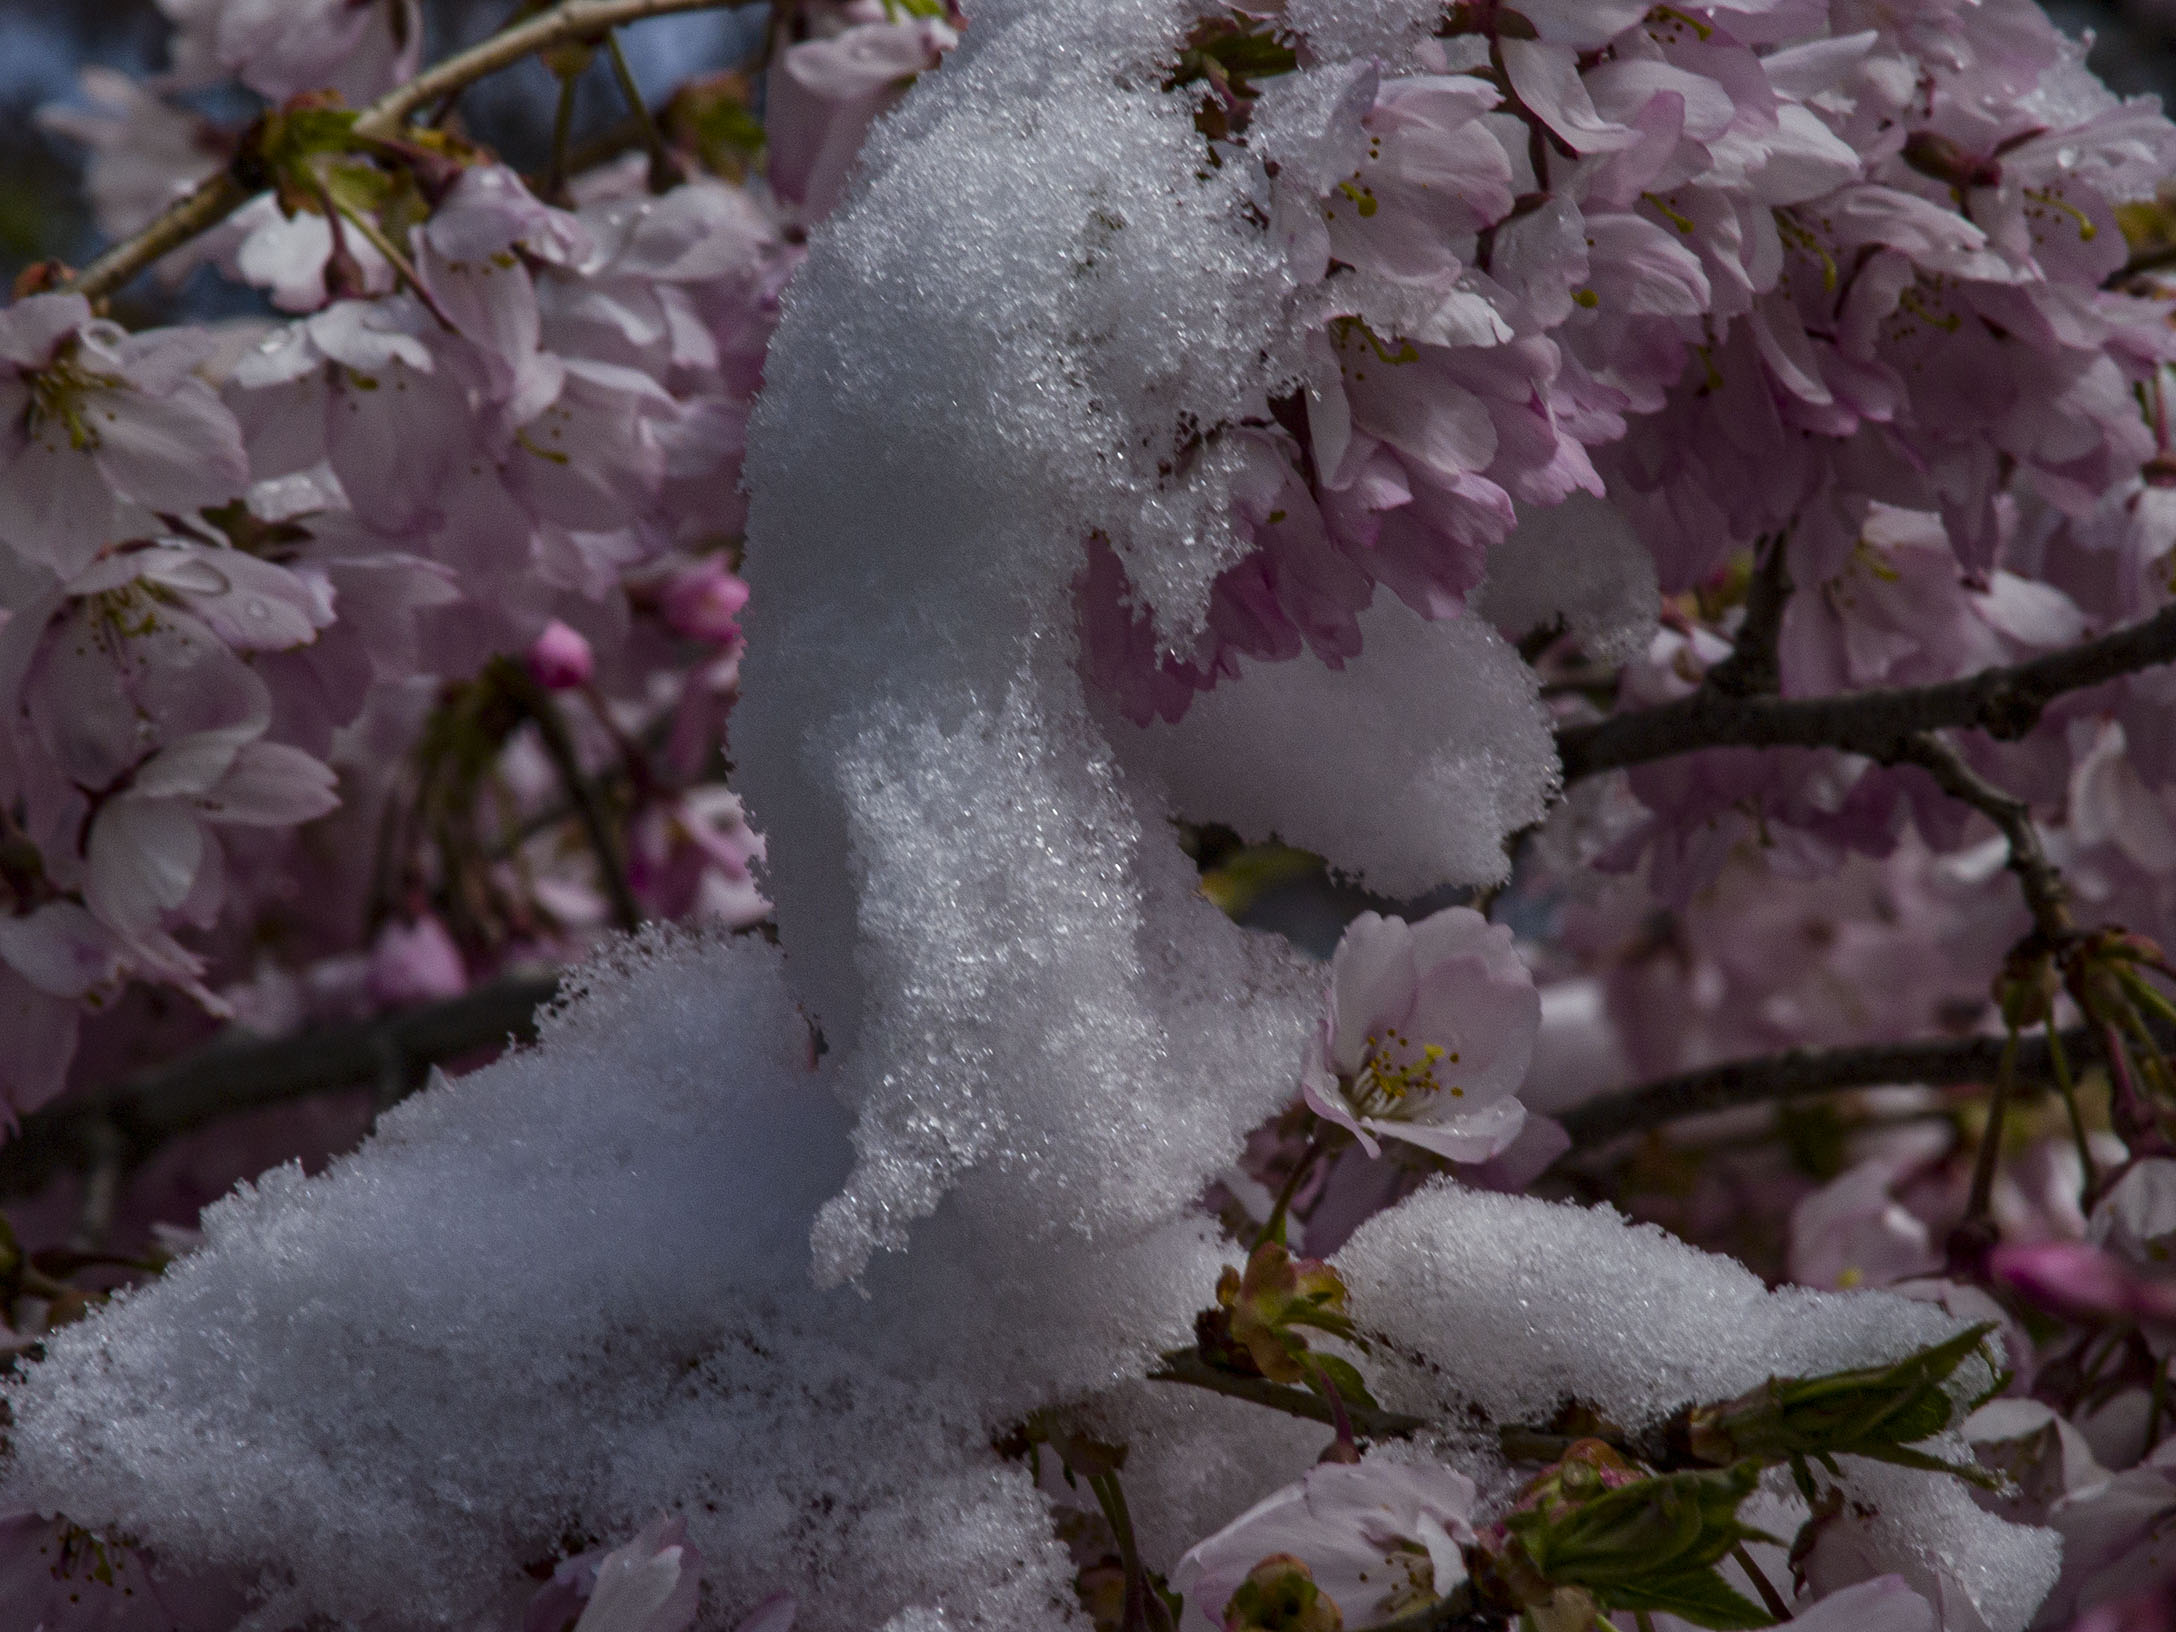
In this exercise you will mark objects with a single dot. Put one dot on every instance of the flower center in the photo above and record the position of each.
(1396, 1079)
(59, 394)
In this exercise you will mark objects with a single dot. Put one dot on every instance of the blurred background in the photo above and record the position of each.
(46, 44)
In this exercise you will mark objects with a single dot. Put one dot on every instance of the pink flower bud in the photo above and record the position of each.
(704, 602)
(416, 963)
(560, 658)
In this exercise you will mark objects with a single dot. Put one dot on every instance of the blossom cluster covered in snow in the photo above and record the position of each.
(1671, 500)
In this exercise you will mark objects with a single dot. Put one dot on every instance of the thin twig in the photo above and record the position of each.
(1761, 1584)
(1980, 1201)
(604, 844)
(219, 195)
(232, 1077)
(2004, 702)
(2042, 884)
(664, 173)
(1186, 1366)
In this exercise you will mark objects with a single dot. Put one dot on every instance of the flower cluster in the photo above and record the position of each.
(1775, 370)
(322, 633)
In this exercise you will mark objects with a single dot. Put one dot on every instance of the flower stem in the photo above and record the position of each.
(1273, 1230)
(664, 173)
(1968, 1242)
(555, 178)
(1344, 1448)
(2059, 1062)
(1146, 1610)
(1761, 1584)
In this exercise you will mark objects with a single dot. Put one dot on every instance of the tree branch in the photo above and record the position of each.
(215, 198)
(2038, 877)
(136, 1117)
(2004, 702)
(221, 194)
(1187, 1366)
(1798, 1072)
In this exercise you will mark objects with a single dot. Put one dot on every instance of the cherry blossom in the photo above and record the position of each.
(1427, 1036)
(1376, 1539)
(106, 430)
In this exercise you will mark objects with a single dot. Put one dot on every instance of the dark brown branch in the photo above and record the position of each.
(138, 1116)
(1796, 1073)
(1186, 1366)
(2003, 702)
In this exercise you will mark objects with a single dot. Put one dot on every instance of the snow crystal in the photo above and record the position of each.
(545, 1302)
(1052, 1004)
(1024, 327)
(1581, 563)
(1388, 30)
(1519, 1305)
(1406, 768)
(1981, 1572)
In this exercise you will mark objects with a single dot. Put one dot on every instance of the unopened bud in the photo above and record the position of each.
(560, 658)
(704, 603)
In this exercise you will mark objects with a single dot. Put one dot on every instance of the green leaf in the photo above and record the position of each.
(1872, 1411)
(1702, 1597)
(1657, 1527)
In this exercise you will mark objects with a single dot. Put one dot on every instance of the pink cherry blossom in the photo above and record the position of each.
(826, 92)
(278, 48)
(1427, 1036)
(1853, 1232)
(57, 1575)
(1380, 1538)
(2081, 1281)
(704, 602)
(104, 429)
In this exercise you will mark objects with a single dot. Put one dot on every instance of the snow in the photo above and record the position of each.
(1408, 768)
(575, 1288)
(1579, 562)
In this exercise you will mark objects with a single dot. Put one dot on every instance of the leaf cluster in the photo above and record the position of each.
(1639, 1542)
(1878, 1412)
(1230, 54)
